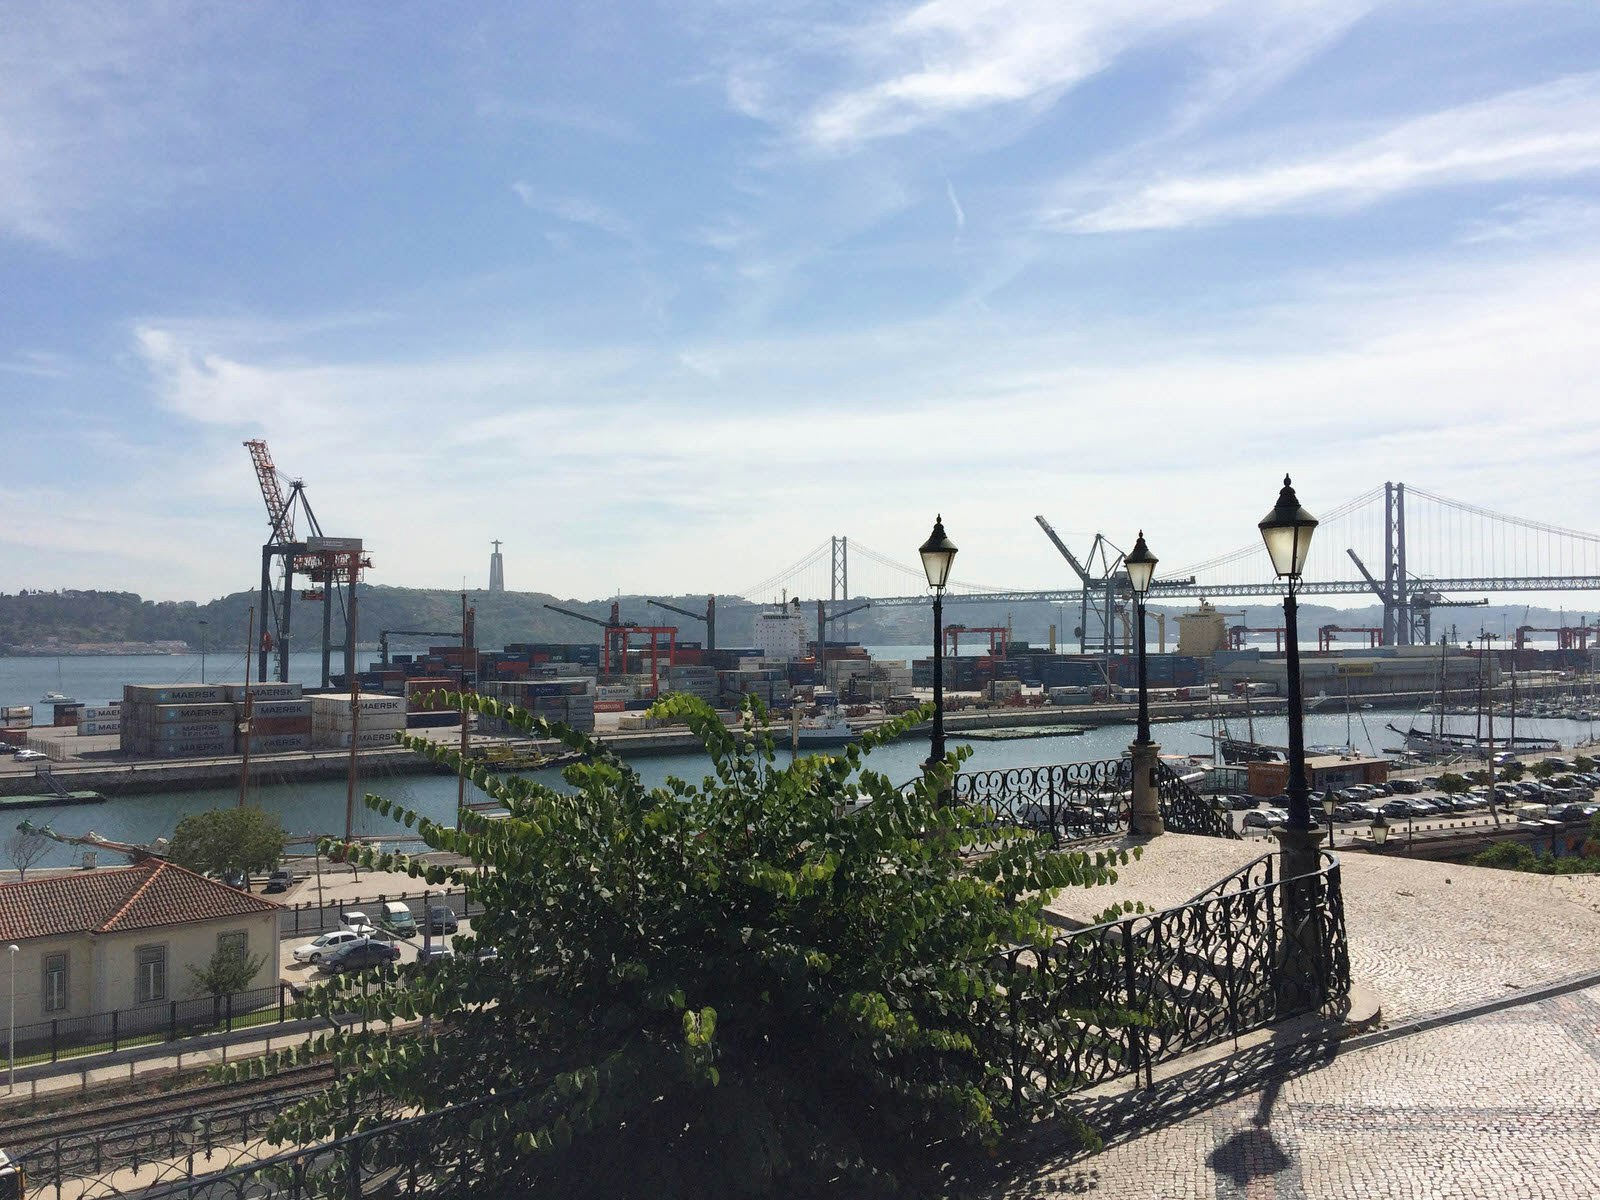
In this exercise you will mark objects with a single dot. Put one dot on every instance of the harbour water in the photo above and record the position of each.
(314, 808)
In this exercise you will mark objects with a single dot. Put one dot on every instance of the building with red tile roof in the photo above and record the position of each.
(126, 937)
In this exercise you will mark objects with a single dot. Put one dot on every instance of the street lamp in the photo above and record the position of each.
(1145, 818)
(11, 1035)
(938, 553)
(1287, 530)
(1329, 803)
(1380, 830)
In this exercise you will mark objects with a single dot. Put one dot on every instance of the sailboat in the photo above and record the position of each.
(58, 696)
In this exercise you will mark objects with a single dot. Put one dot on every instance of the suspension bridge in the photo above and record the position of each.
(1413, 549)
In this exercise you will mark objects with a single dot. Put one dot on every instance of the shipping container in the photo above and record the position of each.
(161, 714)
(172, 693)
(263, 691)
(280, 743)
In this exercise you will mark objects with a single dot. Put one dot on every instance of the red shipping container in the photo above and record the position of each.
(601, 706)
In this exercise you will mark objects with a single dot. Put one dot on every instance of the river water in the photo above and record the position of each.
(311, 808)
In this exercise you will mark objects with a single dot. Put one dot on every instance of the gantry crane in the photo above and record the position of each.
(824, 619)
(334, 564)
(709, 617)
(614, 649)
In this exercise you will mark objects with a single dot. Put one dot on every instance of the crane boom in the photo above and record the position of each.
(567, 612)
(1065, 553)
(279, 515)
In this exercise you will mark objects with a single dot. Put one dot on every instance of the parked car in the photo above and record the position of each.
(360, 954)
(397, 919)
(1397, 808)
(1382, 789)
(357, 920)
(235, 878)
(1352, 811)
(1405, 787)
(434, 952)
(441, 918)
(30, 756)
(1570, 812)
(319, 948)
(280, 881)
(1265, 818)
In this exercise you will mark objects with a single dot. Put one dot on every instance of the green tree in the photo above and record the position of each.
(1452, 784)
(1507, 856)
(212, 842)
(1582, 762)
(229, 970)
(1513, 771)
(1544, 769)
(721, 988)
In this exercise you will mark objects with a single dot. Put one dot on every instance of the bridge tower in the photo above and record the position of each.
(841, 580)
(1397, 623)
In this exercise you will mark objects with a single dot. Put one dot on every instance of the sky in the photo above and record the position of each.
(664, 296)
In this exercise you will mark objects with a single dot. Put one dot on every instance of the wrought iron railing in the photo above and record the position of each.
(443, 1155)
(89, 1163)
(1066, 802)
(1115, 999)
(1072, 801)
(1183, 810)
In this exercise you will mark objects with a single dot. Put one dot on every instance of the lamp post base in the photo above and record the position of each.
(1144, 816)
(1298, 851)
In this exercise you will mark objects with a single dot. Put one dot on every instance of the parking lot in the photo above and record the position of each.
(301, 971)
(1566, 796)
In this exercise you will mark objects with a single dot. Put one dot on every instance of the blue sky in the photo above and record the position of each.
(663, 296)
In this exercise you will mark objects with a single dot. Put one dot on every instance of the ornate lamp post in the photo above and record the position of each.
(938, 554)
(1380, 831)
(1329, 803)
(1287, 531)
(1145, 819)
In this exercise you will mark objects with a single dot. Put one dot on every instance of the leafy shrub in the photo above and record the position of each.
(719, 988)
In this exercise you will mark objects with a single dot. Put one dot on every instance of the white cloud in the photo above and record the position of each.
(1454, 379)
(1543, 132)
(575, 210)
(947, 57)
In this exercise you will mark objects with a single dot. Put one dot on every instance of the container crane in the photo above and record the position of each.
(709, 617)
(614, 649)
(824, 620)
(333, 563)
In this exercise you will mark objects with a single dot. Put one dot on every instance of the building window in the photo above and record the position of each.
(55, 983)
(232, 945)
(152, 973)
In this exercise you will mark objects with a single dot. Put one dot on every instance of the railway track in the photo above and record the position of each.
(31, 1132)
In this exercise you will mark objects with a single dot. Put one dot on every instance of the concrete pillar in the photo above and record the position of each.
(1145, 818)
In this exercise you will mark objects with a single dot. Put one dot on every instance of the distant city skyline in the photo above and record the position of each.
(672, 294)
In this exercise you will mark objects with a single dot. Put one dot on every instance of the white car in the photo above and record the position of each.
(313, 951)
(30, 755)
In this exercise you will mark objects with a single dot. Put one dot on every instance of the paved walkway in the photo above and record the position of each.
(1498, 1107)
(1426, 936)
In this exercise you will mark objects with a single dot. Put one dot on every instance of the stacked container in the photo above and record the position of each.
(16, 716)
(97, 719)
(280, 718)
(378, 719)
(569, 701)
(177, 720)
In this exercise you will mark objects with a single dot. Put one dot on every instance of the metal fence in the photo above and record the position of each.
(1072, 801)
(1116, 999)
(162, 1021)
(1067, 801)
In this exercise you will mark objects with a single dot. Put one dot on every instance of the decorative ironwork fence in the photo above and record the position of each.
(1072, 801)
(1117, 998)
(1183, 810)
(1067, 801)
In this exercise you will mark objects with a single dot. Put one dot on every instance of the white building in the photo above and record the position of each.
(781, 634)
(125, 938)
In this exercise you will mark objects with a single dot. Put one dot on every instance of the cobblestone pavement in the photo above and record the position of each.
(1499, 1106)
(1427, 936)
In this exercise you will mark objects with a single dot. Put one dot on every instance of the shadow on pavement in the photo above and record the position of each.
(1054, 1161)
